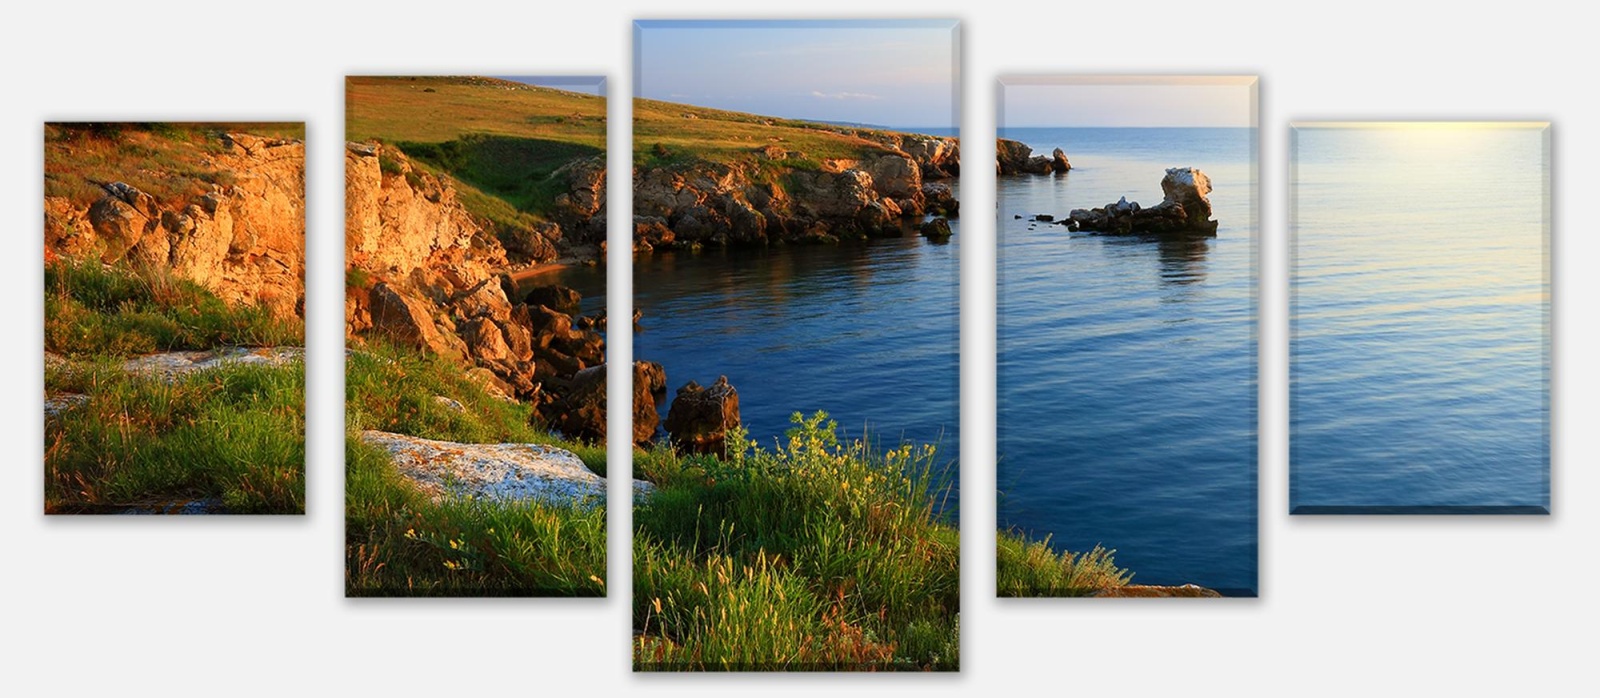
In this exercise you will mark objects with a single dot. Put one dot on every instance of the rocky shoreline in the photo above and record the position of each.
(780, 196)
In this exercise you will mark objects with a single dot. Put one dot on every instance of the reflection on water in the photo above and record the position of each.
(1183, 259)
(1127, 364)
(1419, 375)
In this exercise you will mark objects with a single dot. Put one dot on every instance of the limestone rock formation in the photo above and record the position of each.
(510, 472)
(881, 192)
(244, 240)
(699, 419)
(1012, 157)
(408, 321)
(1184, 210)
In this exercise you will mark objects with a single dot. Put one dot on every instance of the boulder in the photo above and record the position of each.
(1188, 187)
(581, 412)
(937, 230)
(508, 472)
(1058, 161)
(555, 297)
(895, 176)
(649, 379)
(1010, 156)
(940, 200)
(408, 321)
(652, 375)
(118, 225)
(699, 419)
(485, 341)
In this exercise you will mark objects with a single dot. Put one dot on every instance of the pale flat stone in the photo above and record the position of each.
(503, 472)
(54, 405)
(177, 363)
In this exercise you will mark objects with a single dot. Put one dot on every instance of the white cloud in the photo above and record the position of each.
(843, 95)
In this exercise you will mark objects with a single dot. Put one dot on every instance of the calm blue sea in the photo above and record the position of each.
(1419, 377)
(866, 332)
(1127, 365)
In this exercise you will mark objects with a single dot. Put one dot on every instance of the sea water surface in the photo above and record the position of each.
(1127, 365)
(1419, 360)
(867, 332)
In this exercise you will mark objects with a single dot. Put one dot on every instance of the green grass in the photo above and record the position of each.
(234, 434)
(439, 109)
(94, 310)
(1032, 568)
(666, 133)
(816, 555)
(401, 543)
(170, 161)
(498, 140)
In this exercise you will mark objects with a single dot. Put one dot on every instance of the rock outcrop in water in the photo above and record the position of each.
(1012, 157)
(700, 417)
(1184, 209)
(244, 240)
(784, 196)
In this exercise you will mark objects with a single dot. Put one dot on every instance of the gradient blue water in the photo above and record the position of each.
(1418, 355)
(1127, 365)
(866, 332)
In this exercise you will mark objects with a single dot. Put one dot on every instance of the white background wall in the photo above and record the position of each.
(1350, 606)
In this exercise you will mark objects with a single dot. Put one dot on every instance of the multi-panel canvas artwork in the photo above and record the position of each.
(796, 234)
(475, 321)
(1127, 336)
(174, 305)
(1420, 359)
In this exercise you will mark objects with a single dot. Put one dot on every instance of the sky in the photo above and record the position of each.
(587, 84)
(1125, 101)
(895, 73)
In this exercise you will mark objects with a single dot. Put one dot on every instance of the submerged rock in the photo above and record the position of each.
(699, 419)
(508, 472)
(937, 230)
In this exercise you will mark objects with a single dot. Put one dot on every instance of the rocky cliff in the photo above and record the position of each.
(424, 273)
(243, 237)
(773, 194)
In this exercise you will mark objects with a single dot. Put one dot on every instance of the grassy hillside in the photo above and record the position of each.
(499, 140)
(666, 132)
(166, 160)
